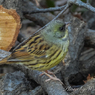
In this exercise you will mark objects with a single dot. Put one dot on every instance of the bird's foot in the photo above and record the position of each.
(48, 73)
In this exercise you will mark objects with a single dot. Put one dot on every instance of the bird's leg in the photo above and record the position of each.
(48, 73)
(37, 3)
(51, 73)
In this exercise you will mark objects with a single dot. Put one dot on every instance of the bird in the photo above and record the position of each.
(43, 50)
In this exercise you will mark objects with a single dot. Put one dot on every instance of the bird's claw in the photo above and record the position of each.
(51, 77)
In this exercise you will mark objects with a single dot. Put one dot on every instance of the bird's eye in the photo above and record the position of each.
(62, 28)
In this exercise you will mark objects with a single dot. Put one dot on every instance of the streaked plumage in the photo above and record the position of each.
(43, 50)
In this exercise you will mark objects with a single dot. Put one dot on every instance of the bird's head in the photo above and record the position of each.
(56, 30)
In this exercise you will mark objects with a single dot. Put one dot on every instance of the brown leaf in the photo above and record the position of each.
(78, 15)
(88, 78)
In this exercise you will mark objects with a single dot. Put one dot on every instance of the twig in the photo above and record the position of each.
(45, 25)
(82, 4)
(44, 10)
(37, 3)
(59, 14)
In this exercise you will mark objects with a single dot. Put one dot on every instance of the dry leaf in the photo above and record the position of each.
(88, 78)
(78, 15)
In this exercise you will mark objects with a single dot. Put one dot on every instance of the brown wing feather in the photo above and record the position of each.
(33, 49)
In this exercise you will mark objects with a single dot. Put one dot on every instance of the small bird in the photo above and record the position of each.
(43, 50)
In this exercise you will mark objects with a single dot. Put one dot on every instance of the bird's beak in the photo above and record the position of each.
(67, 24)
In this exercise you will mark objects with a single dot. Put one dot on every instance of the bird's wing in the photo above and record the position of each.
(35, 48)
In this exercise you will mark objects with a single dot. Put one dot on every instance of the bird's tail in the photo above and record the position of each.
(3, 61)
